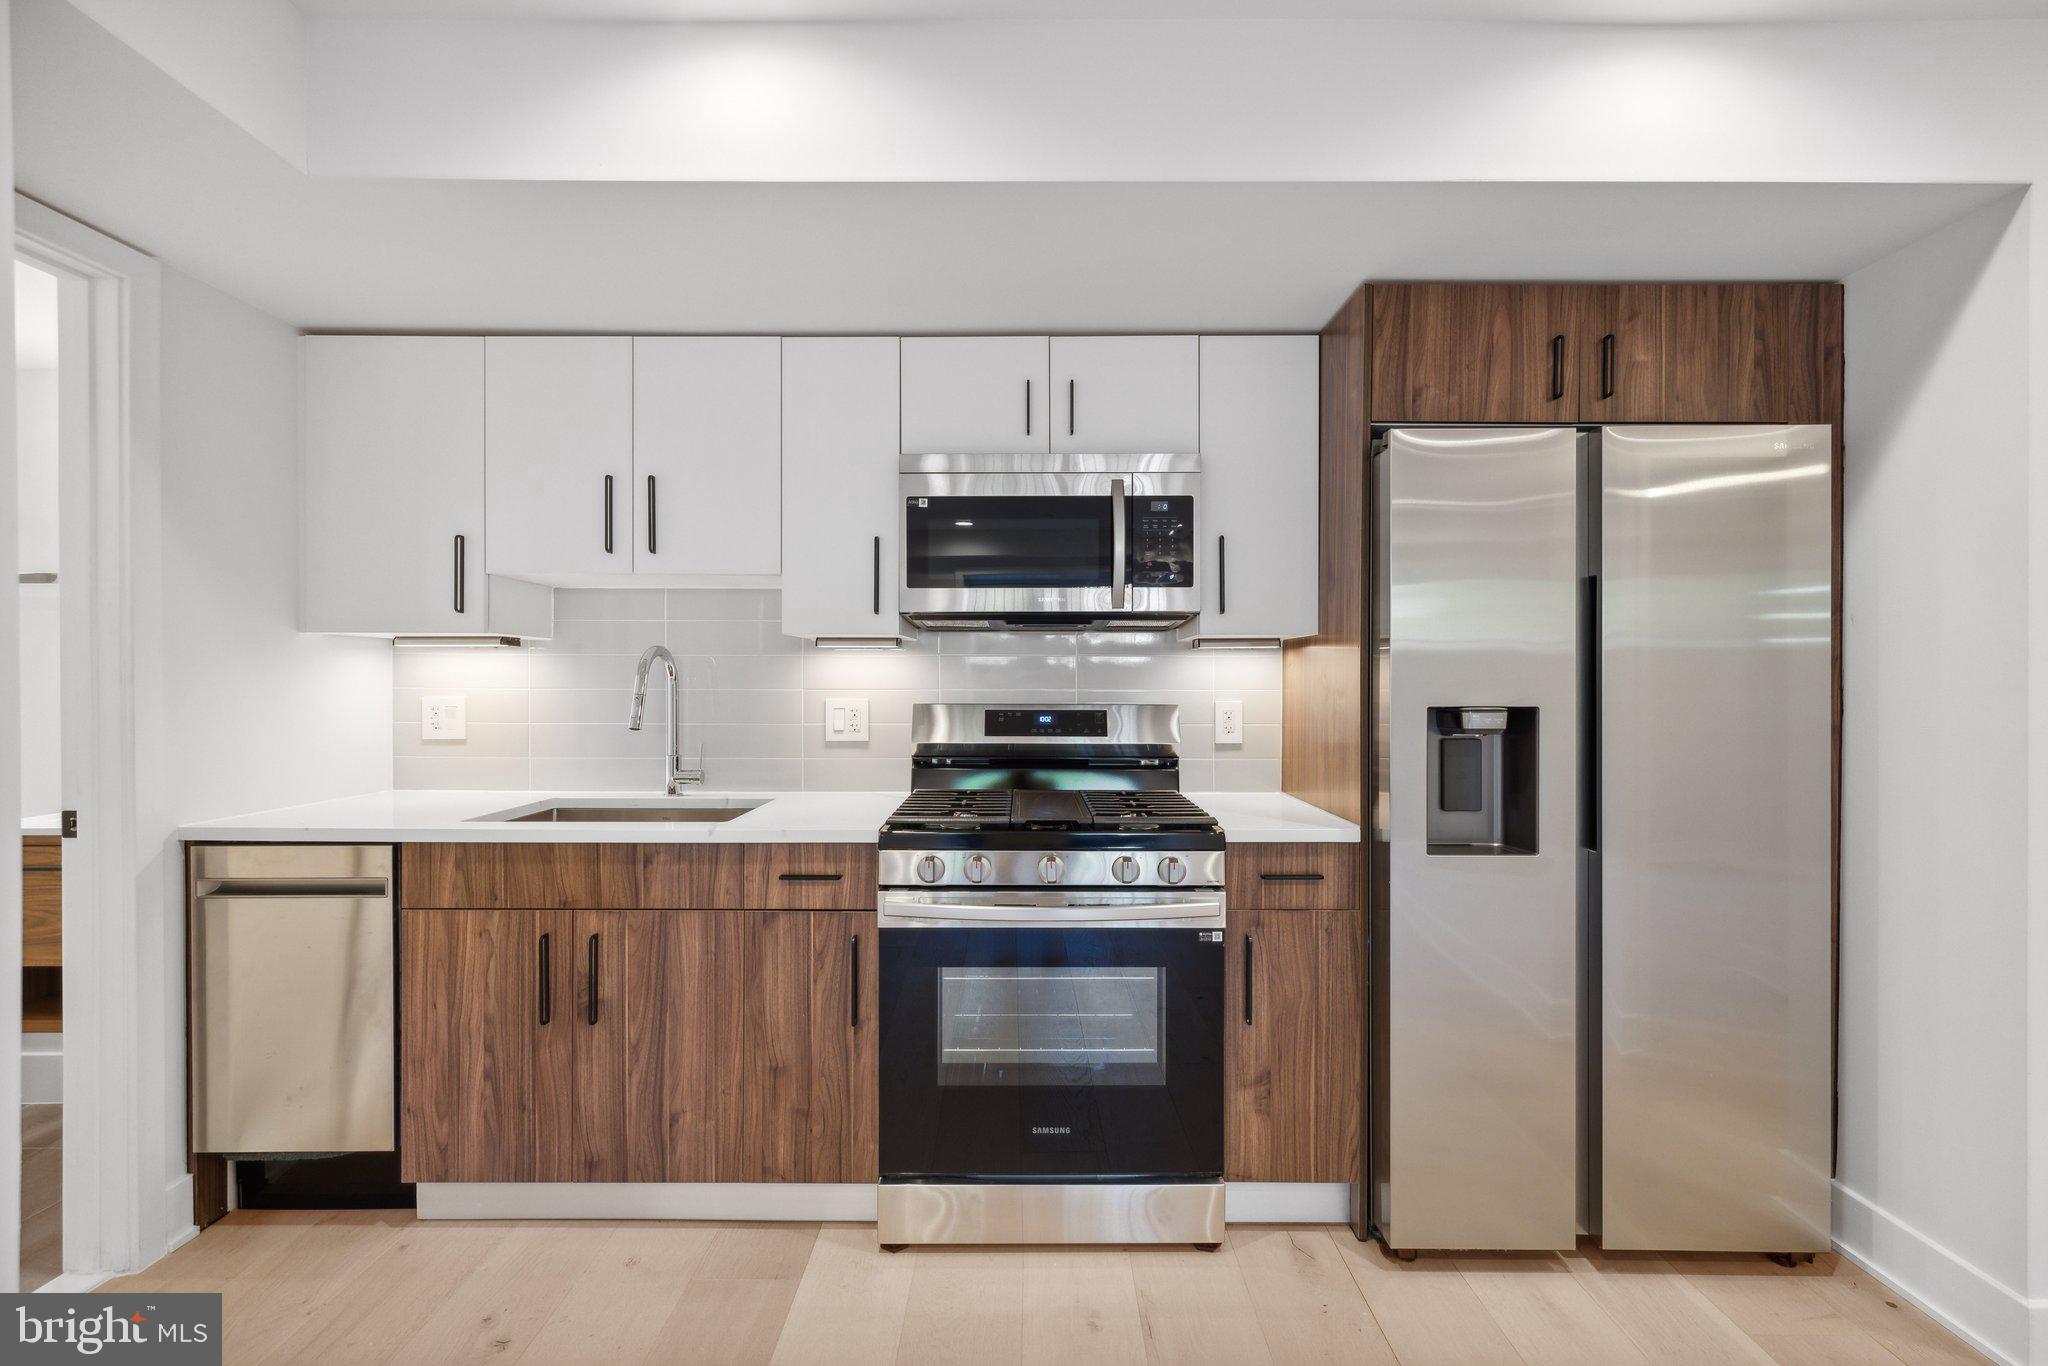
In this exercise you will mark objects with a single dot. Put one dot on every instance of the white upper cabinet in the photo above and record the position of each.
(839, 438)
(1126, 395)
(558, 450)
(974, 395)
(392, 494)
(1260, 522)
(707, 455)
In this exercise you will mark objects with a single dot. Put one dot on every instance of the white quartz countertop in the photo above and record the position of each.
(40, 825)
(781, 818)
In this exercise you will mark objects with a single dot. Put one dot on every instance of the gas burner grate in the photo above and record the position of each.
(1144, 810)
(944, 809)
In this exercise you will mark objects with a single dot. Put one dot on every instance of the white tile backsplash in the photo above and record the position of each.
(552, 716)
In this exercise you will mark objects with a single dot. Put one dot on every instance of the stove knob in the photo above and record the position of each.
(1124, 869)
(1172, 871)
(1051, 868)
(977, 867)
(930, 868)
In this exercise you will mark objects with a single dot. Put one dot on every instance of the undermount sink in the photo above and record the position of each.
(651, 809)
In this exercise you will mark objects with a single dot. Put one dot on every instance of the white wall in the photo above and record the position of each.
(259, 715)
(1934, 1141)
(247, 58)
(1270, 98)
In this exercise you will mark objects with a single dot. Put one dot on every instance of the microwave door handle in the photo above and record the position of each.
(1118, 548)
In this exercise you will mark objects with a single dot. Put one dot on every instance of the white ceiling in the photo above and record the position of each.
(1547, 11)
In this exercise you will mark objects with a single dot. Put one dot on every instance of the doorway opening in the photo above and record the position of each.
(38, 379)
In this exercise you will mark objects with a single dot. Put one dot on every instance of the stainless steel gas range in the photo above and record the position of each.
(1052, 923)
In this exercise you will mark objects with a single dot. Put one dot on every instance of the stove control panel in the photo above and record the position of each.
(1107, 870)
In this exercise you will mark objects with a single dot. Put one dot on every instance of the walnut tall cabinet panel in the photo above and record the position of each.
(1638, 357)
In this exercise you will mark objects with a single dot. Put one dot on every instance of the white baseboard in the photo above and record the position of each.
(1971, 1303)
(1244, 1202)
(1287, 1202)
(42, 1069)
(75, 1283)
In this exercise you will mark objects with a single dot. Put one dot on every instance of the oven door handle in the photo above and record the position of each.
(901, 907)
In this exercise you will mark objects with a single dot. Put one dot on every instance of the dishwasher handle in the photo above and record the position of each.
(287, 888)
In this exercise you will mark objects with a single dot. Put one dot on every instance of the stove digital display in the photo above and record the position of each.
(998, 722)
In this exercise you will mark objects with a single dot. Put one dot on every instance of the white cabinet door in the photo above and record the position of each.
(974, 395)
(839, 436)
(1260, 524)
(558, 455)
(392, 494)
(707, 455)
(1124, 395)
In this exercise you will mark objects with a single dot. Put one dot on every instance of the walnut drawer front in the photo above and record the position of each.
(776, 877)
(1292, 877)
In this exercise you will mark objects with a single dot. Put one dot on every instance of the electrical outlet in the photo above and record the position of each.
(1230, 723)
(846, 719)
(444, 718)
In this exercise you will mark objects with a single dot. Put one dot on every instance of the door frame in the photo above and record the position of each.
(127, 1198)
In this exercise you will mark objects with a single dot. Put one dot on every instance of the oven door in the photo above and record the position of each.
(1059, 542)
(1069, 1043)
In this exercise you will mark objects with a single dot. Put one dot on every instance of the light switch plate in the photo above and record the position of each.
(846, 719)
(1230, 723)
(444, 718)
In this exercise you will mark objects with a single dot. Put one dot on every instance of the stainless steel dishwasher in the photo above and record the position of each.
(293, 1009)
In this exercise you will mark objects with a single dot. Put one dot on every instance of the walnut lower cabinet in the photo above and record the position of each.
(638, 1045)
(1291, 1045)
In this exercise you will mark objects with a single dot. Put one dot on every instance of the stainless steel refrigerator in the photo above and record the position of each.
(1602, 958)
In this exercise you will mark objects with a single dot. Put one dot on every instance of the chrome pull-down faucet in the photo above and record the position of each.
(678, 776)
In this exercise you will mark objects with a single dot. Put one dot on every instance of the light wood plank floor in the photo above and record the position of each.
(42, 1194)
(372, 1287)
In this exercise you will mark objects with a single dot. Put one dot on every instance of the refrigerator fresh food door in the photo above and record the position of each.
(1714, 837)
(1480, 536)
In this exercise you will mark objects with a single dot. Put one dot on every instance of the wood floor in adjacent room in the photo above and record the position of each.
(378, 1286)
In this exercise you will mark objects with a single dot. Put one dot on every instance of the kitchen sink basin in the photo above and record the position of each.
(699, 812)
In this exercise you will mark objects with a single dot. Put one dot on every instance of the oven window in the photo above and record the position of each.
(1052, 1026)
(1048, 542)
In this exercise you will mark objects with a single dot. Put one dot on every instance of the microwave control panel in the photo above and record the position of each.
(1162, 540)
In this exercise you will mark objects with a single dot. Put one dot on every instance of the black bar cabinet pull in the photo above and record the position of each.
(459, 575)
(1557, 367)
(547, 984)
(593, 979)
(607, 514)
(1070, 407)
(810, 877)
(1222, 581)
(1607, 366)
(878, 576)
(1027, 407)
(1247, 979)
(853, 1018)
(1290, 877)
(650, 514)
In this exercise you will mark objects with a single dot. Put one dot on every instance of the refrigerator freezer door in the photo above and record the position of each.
(1479, 1085)
(1714, 838)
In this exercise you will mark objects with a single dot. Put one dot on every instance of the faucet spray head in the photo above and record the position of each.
(640, 690)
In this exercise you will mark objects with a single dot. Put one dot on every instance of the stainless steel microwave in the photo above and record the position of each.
(1049, 542)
